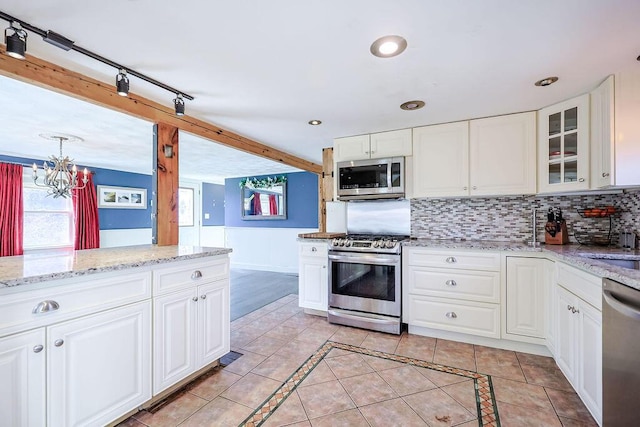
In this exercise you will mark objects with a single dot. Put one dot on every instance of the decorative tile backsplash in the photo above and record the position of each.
(510, 218)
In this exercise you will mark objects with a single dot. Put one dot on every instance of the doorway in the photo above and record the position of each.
(189, 216)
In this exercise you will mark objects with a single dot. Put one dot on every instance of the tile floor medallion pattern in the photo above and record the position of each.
(317, 374)
(487, 411)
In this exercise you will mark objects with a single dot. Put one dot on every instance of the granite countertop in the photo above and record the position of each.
(580, 256)
(61, 264)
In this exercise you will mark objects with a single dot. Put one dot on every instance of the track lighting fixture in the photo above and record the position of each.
(15, 37)
(16, 40)
(122, 83)
(179, 104)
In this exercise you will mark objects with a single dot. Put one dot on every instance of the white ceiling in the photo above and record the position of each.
(264, 69)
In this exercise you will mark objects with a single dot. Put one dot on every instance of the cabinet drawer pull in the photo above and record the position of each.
(451, 315)
(203, 297)
(58, 342)
(605, 174)
(451, 260)
(195, 299)
(581, 180)
(45, 306)
(450, 283)
(196, 275)
(465, 188)
(38, 348)
(314, 249)
(474, 188)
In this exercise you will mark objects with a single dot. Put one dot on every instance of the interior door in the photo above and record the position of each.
(189, 201)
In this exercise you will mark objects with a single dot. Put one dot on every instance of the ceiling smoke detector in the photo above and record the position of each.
(388, 46)
(412, 105)
(546, 81)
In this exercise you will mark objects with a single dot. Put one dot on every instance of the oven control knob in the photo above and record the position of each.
(376, 243)
(347, 243)
(334, 242)
(390, 244)
(342, 242)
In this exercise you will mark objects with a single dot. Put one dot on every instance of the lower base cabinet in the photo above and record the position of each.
(22, 379)
(191, 330)
(98, 367)
(313, 279)
(579, 348)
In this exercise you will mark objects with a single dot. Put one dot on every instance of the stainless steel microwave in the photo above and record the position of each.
(371, 179)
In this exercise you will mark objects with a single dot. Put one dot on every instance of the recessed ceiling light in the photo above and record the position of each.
(388, 46)
(546, 81)
(412, 105)
(315, 122)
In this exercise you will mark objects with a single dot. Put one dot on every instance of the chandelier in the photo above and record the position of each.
(60, 173)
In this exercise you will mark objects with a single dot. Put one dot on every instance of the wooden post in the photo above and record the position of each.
(325, 188)
(165, 185)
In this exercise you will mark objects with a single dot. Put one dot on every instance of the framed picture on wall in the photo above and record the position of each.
(122, 197)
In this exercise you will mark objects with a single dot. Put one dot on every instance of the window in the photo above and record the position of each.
(48, 222)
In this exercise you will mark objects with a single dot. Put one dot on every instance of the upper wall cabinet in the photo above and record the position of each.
(493, 156)
(441, 160)
(602, 137)
(503, 155)
(627, 127)
(563, 146)
(375, 146)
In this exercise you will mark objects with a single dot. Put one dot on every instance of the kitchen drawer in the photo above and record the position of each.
(474, 318)
(463, 284)
(75, 297)
(188, 273)
(487, 261)
(314, 249)
(585, 285)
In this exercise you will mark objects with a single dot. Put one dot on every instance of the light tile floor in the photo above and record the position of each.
(350, 389)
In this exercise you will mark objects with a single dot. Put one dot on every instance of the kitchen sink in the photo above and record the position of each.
(632, 264)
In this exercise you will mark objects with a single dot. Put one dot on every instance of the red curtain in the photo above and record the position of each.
(11, 209)
(257, 206)
(273, 206)
(85, 214)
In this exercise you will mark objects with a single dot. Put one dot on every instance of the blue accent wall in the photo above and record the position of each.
(112, 219)
(302, 203)
(213, 204)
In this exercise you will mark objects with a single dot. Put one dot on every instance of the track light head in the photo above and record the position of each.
(122, 83)
(16, 40)
(179, 104)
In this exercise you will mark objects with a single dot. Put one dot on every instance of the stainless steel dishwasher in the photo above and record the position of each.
(621, 354)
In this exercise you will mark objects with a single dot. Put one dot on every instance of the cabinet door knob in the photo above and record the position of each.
(314, 249)
(581, 180)
(58, 342)
(605, 174)
(45, 306)
(465, 188)
(451, 260)
(474, 188)
(195, 299)
(451, 315)
(203, 297)
(450, 283)
(38, 348)
(196, 275)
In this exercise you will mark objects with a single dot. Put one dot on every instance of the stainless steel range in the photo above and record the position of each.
(365, 282)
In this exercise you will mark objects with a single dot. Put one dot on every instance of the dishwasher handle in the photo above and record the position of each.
(625, 309)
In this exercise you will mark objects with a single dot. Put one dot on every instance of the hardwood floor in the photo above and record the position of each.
(252, 289)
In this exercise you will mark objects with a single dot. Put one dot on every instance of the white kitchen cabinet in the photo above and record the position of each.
(395, 143)
(99, 366)
(440, 162)
(313, 281)
(551, 307)
(22, 379)
(526, 299)
(602, 135)
(456, 291)
(627, 126)
(563, 146)
(191, 329)
(502, 152)
(578, 350)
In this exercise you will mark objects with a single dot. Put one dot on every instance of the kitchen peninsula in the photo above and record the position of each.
(88, 336)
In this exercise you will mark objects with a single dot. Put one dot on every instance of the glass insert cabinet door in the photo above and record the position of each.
(564, 145)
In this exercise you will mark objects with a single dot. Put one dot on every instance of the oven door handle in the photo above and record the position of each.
(365, 259)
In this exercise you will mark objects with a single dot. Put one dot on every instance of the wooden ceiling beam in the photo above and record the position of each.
(45, 74)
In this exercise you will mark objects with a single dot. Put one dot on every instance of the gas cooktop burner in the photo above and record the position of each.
(368, 243)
